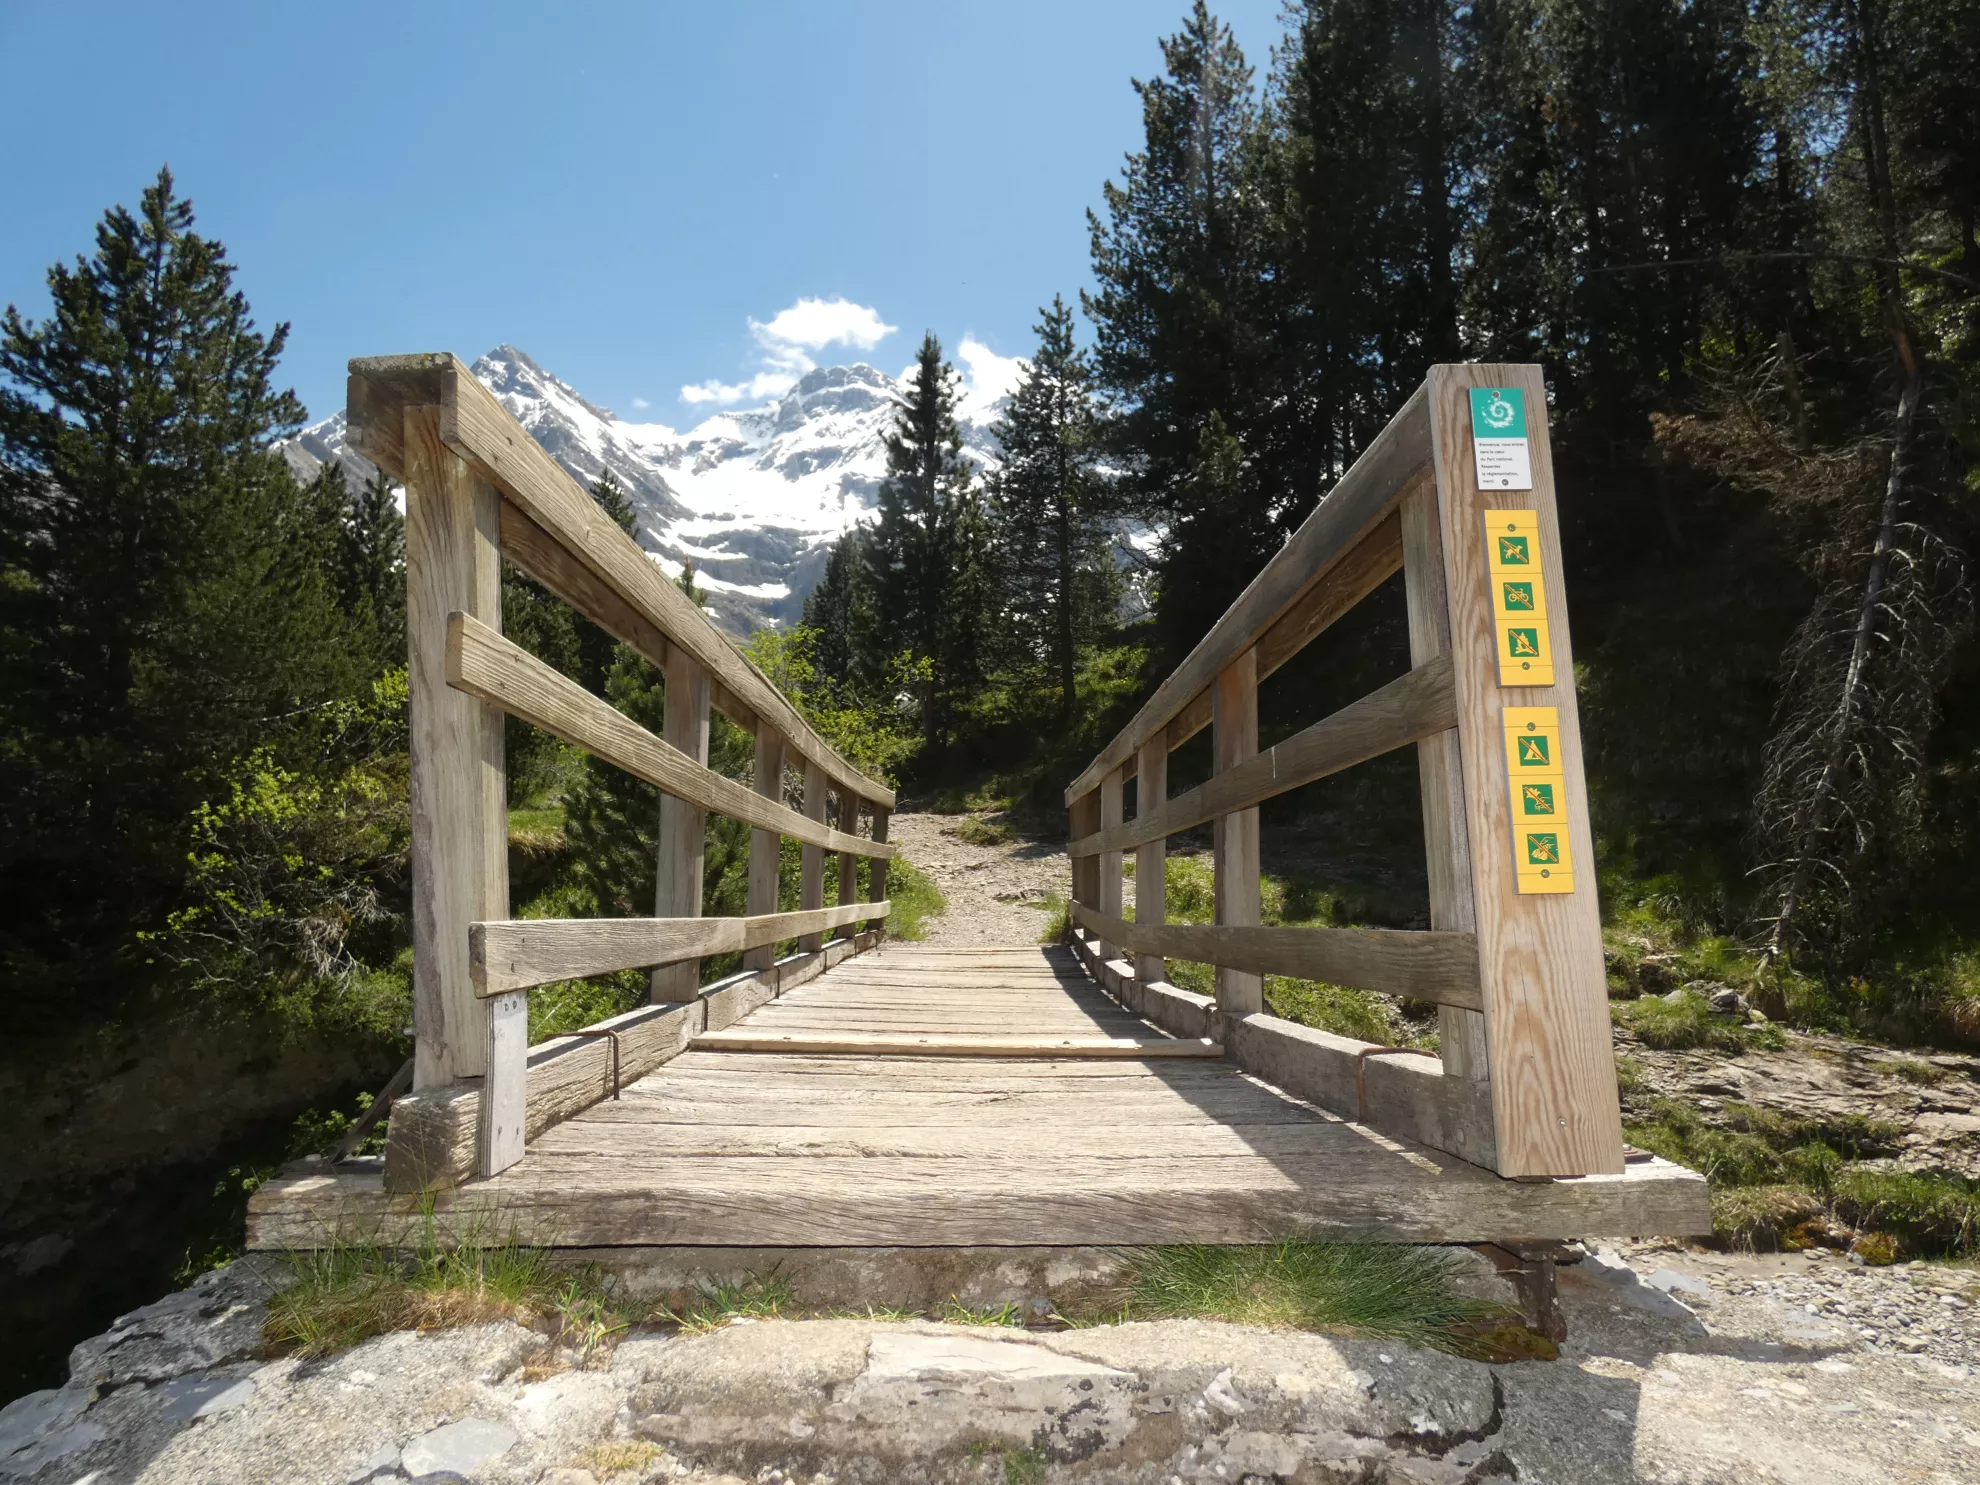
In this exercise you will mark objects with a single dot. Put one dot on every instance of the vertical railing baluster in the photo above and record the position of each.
(765, 846)
(683, 827)
(1108, 903)
(1151, 791)
(812, 889)
(1234, 725)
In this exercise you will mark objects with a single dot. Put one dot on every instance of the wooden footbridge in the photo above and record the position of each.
(842, 1092)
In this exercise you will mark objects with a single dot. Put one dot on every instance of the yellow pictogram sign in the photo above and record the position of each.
(1519, 598)
(1542, 862)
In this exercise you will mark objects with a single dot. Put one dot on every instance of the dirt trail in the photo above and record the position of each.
(993, 891)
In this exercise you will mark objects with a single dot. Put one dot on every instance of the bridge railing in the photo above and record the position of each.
(481, 491)
(1525, 1080)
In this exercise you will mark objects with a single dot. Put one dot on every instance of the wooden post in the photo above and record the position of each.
(848, 862)
(1151, 790)
(1109, 903)
(1234, 723)
(460, 855)
(812, 889)
(877, 871)
(1460, 1032)
(1548, 1039)
(1083, 815)
(765, 846)
(505, 1090)
(683, 828)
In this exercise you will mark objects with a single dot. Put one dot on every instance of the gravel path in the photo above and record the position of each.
(993, 891)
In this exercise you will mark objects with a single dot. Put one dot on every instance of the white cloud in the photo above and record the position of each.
(641, 402)
(816, 323)
(786, 341)
(988, 374)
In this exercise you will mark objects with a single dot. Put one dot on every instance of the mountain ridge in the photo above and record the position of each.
(753, 497)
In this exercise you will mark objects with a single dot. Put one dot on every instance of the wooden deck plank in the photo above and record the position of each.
(789, 1148)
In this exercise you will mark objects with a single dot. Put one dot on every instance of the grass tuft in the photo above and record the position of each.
(1058, 920)
(755, 1298)
(345, 1294)
(1371, 1289)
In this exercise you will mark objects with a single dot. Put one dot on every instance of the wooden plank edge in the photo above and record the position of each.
(299, 1212)
(882, 1044)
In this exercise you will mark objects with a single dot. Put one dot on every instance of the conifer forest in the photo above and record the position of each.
(1741, 238)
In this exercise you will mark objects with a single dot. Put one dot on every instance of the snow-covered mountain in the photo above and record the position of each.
(753, 499)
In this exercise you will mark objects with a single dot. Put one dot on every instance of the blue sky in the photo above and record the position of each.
(646, 198)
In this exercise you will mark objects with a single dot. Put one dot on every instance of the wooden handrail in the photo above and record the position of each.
(484, 664)
(481, 431)
(1408, 709)
(1458, 492)
(517, 953)
(1438, 967)
(1353, 511)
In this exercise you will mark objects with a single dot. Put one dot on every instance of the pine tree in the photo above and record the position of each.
(371, 559)
(1183, 319)
(1058, 582)
(841, 611)
(167, 596)
(921, 559)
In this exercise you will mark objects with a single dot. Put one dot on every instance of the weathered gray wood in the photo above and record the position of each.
(1351, 513)
(1109, 902)
(812, 886)
(430, 1143)
(1414, 706)
(1179, 1012)
(683, 825)
(460, 860)
(876, 886)
(515, 953)
(478, 428)
(1406, 1096)
(765, 847)
(431, 1140)
(1447, 850)
(1084, 815)
(848, 823)
(1432, 966)
(938, 1044)
(1234, 707)
(1549, 1039)
(1151, 855)
(504, 1112)
(482, 663)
